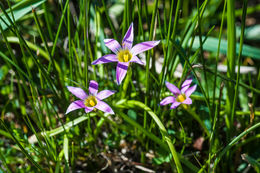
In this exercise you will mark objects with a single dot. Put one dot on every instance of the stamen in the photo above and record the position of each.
(91, 101)
(181, 98)
(124, 55)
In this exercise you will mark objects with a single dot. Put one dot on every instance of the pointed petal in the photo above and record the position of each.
(144, 46)
(88, 109)
(188, 101)
(104, 94)
(172, 88)
(184, 89)
(105, 59)
(93, 87)
(121, 70)
(185, 85)
(78, 92)
(175, 105)
(187, 82)
(167, 100)
(75, 105)
(135, 59)
(190, 91)
(104, 107)
(128, 38)
(112, 44)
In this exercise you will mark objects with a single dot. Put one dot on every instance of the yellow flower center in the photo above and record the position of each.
(181, 98)
(124, 55)
(91, 101)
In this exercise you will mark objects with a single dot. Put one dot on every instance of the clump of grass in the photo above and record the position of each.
(47, 47)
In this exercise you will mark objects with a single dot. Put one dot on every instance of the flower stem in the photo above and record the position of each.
(162, 129)
(126, 83)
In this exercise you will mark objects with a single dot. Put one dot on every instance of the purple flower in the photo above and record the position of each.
(180, 96)
(91, 101)
(126, 54)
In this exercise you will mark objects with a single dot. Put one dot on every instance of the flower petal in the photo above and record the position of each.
(135, 59)
(172, 88)
(188, 101)
(167, 100)
(93, 87)
(185, 85)
(88, 109)
(175, 105)
(121, 70)
(190, 91)
(128, 38)
(112, 44)
(75, 105)
(105, 59)
(78, 92)
(187, 82)
(184, 89)
(104, 94)
(104, 107)
(144, 46)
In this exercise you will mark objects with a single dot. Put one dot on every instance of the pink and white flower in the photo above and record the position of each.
(180, 96)
(91, 101)
(126, 54)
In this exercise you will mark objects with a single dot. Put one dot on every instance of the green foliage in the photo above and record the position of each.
(48, 45)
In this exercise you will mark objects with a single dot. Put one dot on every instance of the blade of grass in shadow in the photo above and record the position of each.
(22, 148)
(19, 10)
(47, 20)
(23, 42)
(5, 165)
(233, 142)
(147, 85)
(155, 139)
(59, 28)
(134, 103)
(218, 50)
(43, 38)
(86, 37)
(231, 58)
(109, 21)
(202, 52)
(239, 59)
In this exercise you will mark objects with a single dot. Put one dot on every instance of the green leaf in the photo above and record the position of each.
(19, 10)
(211, 44)
(132, 114)
(251, 33)
(252, 161)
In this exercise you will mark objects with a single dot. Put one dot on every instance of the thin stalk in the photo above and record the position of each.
(214, 130)
(69, 44)
(202, 52)
(21, 147)
(109, 21)
(165, 62)
(126, 83)
(217, 57)
(43, 38)
(231, 57)
(147, 71)
(233, 142)
(46, 17)
(86, 36)
(163, 130)
(59, 28)
(239, 58)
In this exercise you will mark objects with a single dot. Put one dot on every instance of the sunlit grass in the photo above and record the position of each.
(208, 122)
